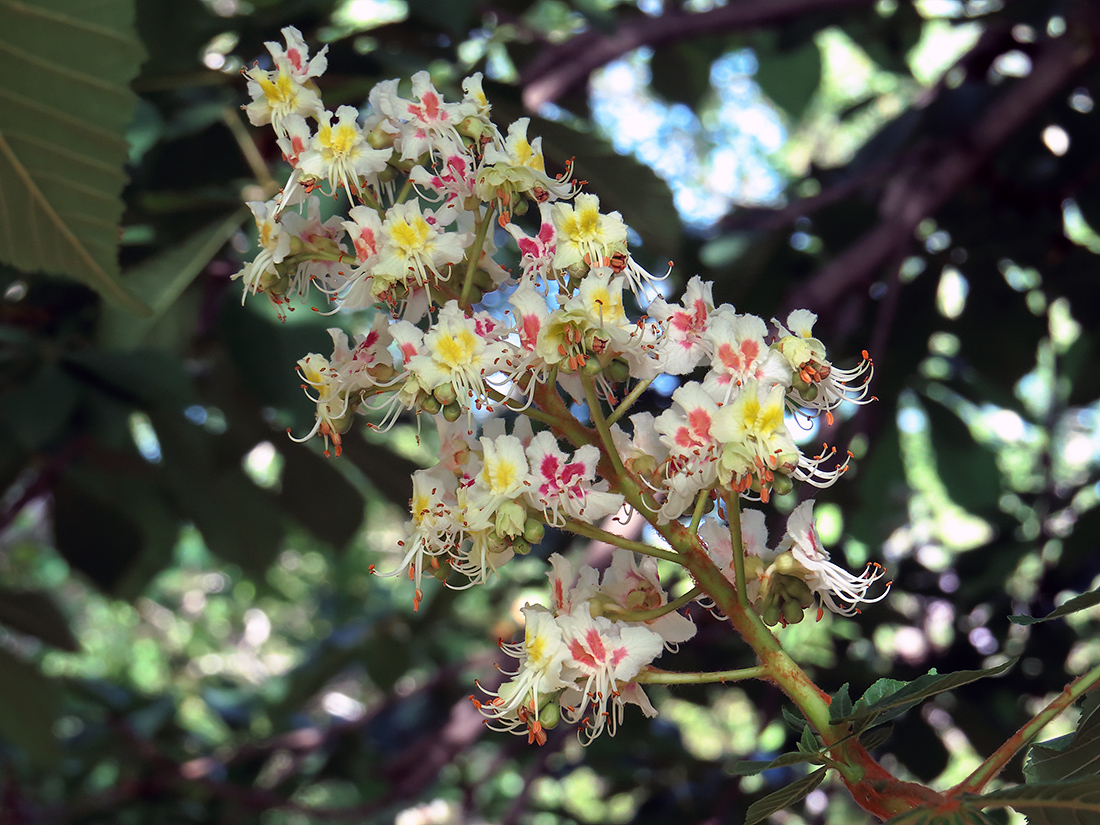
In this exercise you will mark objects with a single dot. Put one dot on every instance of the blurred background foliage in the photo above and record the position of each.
(188, 629)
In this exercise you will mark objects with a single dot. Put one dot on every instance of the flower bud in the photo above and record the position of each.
(445, 394)
(379, 138)
(550, 715)
(617, 371)
(771, 615)
(510, 520)
(787, 564)
(533, 530)
(430, 404)
(452, 412)
(782, 484)
(519, 207)
(592, 367)
(792, 612)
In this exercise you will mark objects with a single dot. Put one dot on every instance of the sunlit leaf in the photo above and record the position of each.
(65, 109)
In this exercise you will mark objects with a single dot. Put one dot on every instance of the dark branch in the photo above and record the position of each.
(560, 67)
(928, 179)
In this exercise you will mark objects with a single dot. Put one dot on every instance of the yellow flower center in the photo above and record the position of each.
(341, 140)
(456, 350)
(411, 237)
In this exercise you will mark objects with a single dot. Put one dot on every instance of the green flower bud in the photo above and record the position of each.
(445, 394)
(782, 484)
(771, 615)
(617, 371)
(430, 404)
(792, 612)
(549, 716)
(510, 520)
(533, 530)
(452, 412)
(592, 367)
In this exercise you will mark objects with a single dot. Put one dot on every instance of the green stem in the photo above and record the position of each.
(530, 411)
(404, 193)
(628, 401)
(1004, 754)
(613, 611)
(700, 509)
(592, 532)
(667, 677)
(368, 199)
(473, 255)
(733, 515)
(596, 411)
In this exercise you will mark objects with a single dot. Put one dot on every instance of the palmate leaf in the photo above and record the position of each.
(63, 114)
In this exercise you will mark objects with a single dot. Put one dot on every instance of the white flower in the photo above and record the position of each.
(839, 590)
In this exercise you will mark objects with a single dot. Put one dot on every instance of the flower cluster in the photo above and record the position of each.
(438, 198)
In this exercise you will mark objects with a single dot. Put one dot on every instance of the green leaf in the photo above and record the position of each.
(63, 121)
(965, 814)
(454, 15)
(968, 469)
(749, 767)
(38, 412)
(789, 77)
(1082, 602)
(1051, 803)
(793, 720)
(318, 495)
(808, 742)
(161, 279)
(28, 707)
(841, 704)
(35, 613)
(93, 535)
(1069, 757)
(888, 702)
(784, 797)
(877, 737)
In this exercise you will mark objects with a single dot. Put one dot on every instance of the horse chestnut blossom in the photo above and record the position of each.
(514, 329)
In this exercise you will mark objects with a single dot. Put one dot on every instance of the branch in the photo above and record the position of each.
(929, 179)
(560, 67)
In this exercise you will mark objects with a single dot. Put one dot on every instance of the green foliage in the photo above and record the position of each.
(888, 699)
(164, 606)
(1073, 756)
(62, 138)
(1074, 605)
(1052, 803)
(784, 797)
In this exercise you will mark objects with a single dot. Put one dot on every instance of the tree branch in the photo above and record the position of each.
(929, 179)
(560, 67)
